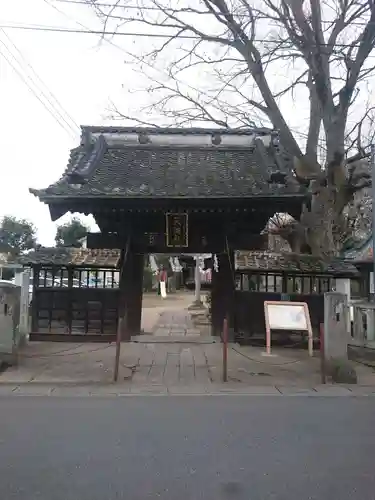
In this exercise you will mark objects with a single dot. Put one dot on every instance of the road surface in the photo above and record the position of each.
(187, 448)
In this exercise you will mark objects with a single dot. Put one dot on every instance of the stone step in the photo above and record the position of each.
(170, 339)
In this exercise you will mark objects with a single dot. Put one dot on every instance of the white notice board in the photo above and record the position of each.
(287, 316)
(283, 315)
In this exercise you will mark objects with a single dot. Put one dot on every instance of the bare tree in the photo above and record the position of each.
(325, 47)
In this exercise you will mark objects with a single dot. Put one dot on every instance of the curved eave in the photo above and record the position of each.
(36, 192)
(58, 198)
(59, 205)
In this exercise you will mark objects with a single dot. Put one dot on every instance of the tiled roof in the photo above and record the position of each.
(80, 257)
(292, 263)
(110, 165)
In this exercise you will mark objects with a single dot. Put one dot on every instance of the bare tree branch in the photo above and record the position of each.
(247, 50)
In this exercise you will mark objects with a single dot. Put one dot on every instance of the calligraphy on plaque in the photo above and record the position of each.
(177, 230)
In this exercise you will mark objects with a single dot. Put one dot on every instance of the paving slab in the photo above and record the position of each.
(148, 389)
(166, 339)
(6, 389)
(172, 369)
(239, 389)
(188, 389)
(331, 390)
(296, 391)
(33, 390)
(357, 390)
(108, 390)
(71, 391)
(156, 374)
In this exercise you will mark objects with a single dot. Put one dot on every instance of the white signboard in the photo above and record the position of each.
(293, 316)
(287, 316)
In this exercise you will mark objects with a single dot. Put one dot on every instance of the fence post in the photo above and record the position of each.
(225, 350)
(322, 355)
(118, 348)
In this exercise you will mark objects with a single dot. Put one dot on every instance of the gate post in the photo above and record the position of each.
(223, 287)
(131, 288)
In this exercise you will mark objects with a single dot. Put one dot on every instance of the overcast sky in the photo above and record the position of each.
(83, 77)
(84, 74)
(81, 72)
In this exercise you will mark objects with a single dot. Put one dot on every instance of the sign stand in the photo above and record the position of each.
(118, 349)
(225, 350)
(281, 315)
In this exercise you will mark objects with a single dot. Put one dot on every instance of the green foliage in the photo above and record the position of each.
(16, 235)
(341, 371)
(70, 233)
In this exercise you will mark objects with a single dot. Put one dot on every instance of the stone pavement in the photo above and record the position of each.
(175, 326)
(154, 305)
(175, 359)
(171, 321)
(110, 390)
(171, 368)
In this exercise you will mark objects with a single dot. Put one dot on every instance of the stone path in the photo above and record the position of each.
(171, 323)
(186, 366)
(154, 305)
(174, 326)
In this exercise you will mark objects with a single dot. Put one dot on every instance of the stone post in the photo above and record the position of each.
(343, 286)
(24, 281)
(197, 304)
(197, 280)
(370, 313)
(336, 335)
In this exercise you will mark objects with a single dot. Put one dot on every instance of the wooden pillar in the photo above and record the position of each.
(131, 288)
(215, 305)
(134, 299)
(223, 286)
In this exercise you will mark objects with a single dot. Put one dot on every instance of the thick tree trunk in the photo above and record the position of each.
(324, 220)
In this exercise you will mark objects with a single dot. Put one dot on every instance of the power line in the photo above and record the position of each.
(54, 98)
(132, 7)
(56, 29)
(297, 132)
(30, 88)
(182, 10)
(48, 2)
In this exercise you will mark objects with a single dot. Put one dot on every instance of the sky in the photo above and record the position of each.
(85, 74)
(82, 73)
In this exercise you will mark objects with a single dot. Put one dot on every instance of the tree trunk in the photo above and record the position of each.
(324, 221)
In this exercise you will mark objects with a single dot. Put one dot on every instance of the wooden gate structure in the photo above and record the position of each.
(75, 294)
(155, 190)
(264, 275)
(360, 254)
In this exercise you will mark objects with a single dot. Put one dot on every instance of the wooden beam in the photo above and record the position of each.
(105, 240)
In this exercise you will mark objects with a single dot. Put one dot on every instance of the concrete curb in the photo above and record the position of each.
(74, 389)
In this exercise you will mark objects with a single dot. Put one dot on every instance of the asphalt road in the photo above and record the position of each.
(187, 448)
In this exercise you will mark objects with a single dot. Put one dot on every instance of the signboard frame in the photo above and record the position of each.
(171, 242)
(289, 304)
